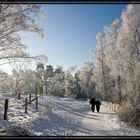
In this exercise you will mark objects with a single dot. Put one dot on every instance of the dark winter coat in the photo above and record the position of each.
(98, 103)
(92, 101)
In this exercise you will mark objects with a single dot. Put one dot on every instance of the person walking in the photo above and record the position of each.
(98, 103)
(92, 103)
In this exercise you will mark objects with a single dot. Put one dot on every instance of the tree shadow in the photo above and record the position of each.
(82, 111)
(66, 118)
(55, 125)
(96, 132)
(111, 113)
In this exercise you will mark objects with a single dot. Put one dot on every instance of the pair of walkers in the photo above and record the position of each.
(94, 103)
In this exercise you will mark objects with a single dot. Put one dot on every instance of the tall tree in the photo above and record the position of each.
(48, 76)
(87, 83)
(69, 82)
(40, 78)
(14, 19)
(100, 63)
(77, 84)
(58, 82)
(128, 42)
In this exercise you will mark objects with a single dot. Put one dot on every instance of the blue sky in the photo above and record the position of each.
(70, 31)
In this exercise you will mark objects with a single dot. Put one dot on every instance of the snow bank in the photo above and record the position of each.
(124, 129)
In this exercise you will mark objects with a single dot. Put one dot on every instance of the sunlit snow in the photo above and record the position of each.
(60, 117)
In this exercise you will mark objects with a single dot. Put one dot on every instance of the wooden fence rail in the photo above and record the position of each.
(29, 102)
(112, 106)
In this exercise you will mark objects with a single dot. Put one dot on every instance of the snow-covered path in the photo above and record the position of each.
(63, 117)
(70, 117)
(98, 124)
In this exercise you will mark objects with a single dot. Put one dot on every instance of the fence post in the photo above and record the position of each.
(36, 102)
(115, 107)
(36, 89)
(19, 95)
(26, 100)
(29, 98)
(5, 109)
(42, 90)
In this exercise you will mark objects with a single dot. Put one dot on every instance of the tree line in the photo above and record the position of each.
(55, 81)
(117, 63)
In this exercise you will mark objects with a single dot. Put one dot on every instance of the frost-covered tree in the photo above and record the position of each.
(48, 76)
(29, 81)
(40, 78)
(129, 45)
(23, 80)
(102, 70)
(17, 81)
(87, 83)
(69, 82)
(15, 19)
(107, 66)
(77, 84)
(57, 82)
(5, 82)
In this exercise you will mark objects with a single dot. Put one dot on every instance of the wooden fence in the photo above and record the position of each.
(111, 106)
(24, 105)
(29, 102)
(38, 89)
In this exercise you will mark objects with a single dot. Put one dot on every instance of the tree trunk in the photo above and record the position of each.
(119, 87)
(104, 80)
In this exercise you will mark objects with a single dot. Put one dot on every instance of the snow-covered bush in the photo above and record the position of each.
(129, 114)
(125, 112)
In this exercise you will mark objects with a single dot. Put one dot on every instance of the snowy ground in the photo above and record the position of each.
(60, 117)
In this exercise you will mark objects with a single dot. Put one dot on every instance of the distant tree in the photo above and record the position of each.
(86, 81)
(22, 80)
(58, 82)
(48, 77)
(29, 81)
(69, 82)
(40, 78)
(5, 82)
(40, 68)
(77, 84)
